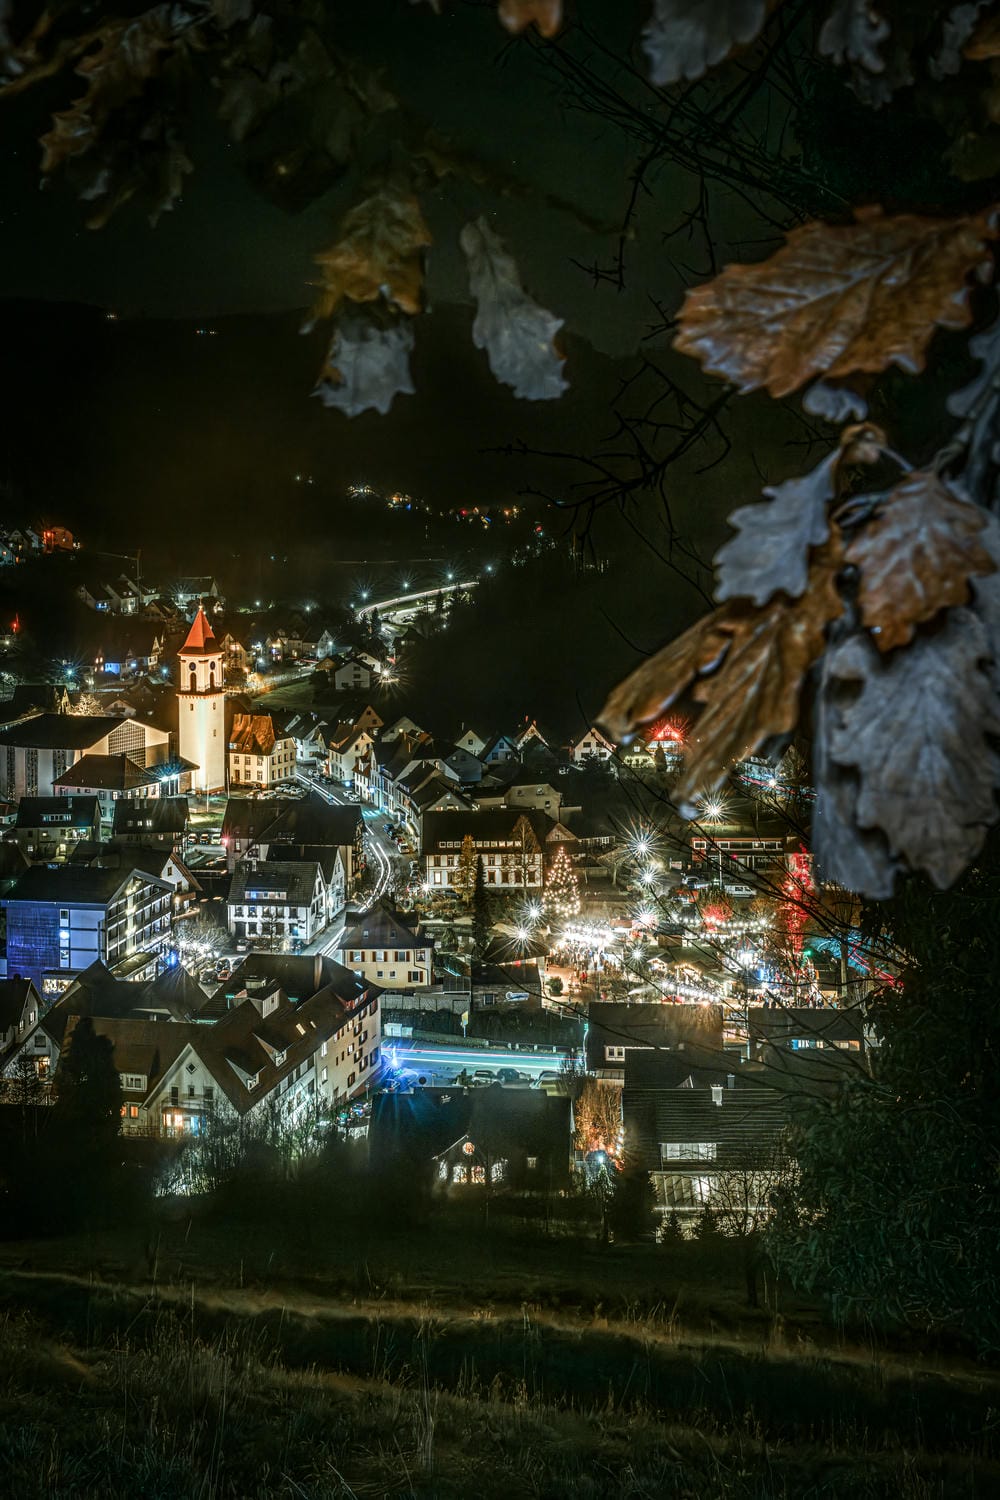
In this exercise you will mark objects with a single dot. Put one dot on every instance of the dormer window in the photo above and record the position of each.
(252, 1081)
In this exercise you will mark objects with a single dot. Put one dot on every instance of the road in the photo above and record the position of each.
(443, 1064)
(408, 603)
(385, 857)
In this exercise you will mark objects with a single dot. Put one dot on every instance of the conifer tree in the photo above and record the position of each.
(562, 889)
(467, 871)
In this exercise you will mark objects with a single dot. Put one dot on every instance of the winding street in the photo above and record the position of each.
(379, 849)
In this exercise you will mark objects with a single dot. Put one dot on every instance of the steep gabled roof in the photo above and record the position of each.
(253, 734)
(176, 991)
(14, 996)
(381, 928)
(115, 773)
(201, 639)
(142, 1047)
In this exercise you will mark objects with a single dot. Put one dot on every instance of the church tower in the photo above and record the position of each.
(201, 702)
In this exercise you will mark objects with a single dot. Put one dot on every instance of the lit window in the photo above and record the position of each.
(689, 1150)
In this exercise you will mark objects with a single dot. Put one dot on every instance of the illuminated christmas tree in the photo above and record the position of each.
(562, 889)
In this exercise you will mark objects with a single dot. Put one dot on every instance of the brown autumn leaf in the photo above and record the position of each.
(378, 253)
(650, 690)
(747, 666)
(517, 15)
(836, 299)
(122, 57)
(754, 694)
(984, 42)
(916, 556)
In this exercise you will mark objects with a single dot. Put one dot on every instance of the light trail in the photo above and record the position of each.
(409, 598)
(468, 1059)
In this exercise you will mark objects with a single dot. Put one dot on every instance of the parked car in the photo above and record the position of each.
(548, 1075)
(509, 1075)
(480, 1077)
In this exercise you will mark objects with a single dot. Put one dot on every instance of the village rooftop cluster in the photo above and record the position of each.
(234, 849)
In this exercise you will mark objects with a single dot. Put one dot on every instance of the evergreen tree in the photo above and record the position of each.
(88, 1089)
(630, 1212)
(25, 1091)
(562, 888)
(895, 1212)
(707, 1227)
(672, 1232)
(467, 872)
(86, 1120)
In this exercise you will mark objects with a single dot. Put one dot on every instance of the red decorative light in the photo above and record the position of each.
(797, 886)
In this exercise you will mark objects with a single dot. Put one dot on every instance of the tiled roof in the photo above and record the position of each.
(13, 998)
(781, 1024)
(135, 814)
(200, 638)
(487, 826)
(86, 885)
(114, 773)
(60, 731)
(309, 820)
(381, 928)
(736, 1121)
(282, 882)
(651, 1026)
(70, 812)
(252, 734)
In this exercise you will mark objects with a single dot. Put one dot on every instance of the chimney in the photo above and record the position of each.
(730, 1080)
(716, 1093)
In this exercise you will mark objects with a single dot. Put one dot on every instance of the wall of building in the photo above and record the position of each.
(408, 968)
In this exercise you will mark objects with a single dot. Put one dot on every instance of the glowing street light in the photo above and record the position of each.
(713, 809)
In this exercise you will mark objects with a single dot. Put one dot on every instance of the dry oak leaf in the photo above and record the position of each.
(377, 254)
(517, 334)
(746, 665)
(853, 32)
(835, 299)
(984, 42)
(124, 55)
(916, 556)
(684, 38)
(919, 733)
(516, 15)
(367, 366)
(772, 550)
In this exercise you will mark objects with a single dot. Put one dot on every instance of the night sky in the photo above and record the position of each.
(140, 432)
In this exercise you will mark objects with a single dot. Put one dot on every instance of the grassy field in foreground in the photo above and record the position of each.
(219, 1363)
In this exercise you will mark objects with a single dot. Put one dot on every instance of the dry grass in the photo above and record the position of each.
(271, 1378)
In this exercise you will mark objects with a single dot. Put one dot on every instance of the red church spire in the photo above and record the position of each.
(200, 637)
